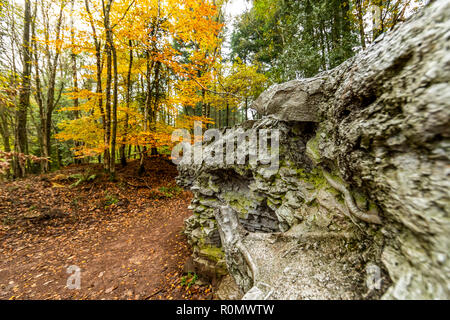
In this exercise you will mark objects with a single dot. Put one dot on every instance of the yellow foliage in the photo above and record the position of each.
(159, 28)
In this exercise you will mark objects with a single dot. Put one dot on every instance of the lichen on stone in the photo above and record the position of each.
(359, 208)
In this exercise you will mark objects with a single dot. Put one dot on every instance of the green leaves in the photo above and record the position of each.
(81, 178)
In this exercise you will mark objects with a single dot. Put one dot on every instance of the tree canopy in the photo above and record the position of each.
(110, 80)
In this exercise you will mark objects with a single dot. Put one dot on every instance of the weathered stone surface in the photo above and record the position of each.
(228, 289)
(359, 207)
(292, 101)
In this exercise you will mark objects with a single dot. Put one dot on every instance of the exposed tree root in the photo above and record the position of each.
(350, 202)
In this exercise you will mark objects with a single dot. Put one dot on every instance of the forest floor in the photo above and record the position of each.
(125, 236)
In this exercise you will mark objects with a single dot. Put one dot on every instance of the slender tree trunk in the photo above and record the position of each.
(111, 63)
(50, 102)
(73, 57)
(246, 109)
(203, 109)
(99, 91)
(227, 115)
(4, 130)
(59, 157)
(154, 110)
(108, 107)
(147, 108)
(24, 96)
(114, 120)
(208, 110)
(38, 95)
(360, 15)
(123, 158)
(322, 48)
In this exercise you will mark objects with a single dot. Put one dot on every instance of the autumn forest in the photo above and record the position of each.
(108, 80)
(90, 94)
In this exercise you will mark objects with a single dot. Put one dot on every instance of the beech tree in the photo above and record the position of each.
(111, 80)
(21, 145)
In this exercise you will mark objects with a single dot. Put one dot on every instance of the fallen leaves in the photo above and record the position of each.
(132, 249)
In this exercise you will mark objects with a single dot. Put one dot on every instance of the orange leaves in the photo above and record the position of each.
(7, 157)
(85, 130)
(187, 122)
(178, 38)
(153, 139)
(83, 222)
(83, 94)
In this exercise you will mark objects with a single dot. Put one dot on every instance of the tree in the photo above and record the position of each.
(234, 87)
(143, 36)
(373, 17)
(292, 39)
(24, 95)
(52, 50)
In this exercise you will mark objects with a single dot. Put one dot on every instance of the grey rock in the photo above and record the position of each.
(254, 294)
(296, 100)
(368, 138)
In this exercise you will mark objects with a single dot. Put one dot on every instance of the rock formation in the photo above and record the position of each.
(359, 206)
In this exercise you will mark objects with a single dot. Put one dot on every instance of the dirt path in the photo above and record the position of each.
(124, 236)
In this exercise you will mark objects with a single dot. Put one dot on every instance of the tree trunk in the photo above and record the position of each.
(108, 51)
(99, 91)
(73, 56)
(123, 158)
(114, 124)
(4, 130)
(50, 64)
(359, 15)
(154, 150)
(246, 109)
(147, 108)
(227, 115)
(24, 96)
(111, 55)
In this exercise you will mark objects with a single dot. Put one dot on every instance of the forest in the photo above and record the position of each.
(105, 81)
(92, 93)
